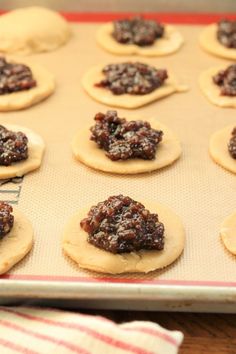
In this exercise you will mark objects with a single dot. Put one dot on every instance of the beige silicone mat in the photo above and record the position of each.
(197, 189)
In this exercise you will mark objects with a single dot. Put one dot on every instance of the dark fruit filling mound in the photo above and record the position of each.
(132, 78)
(232, 144)
(226, 79)
(6, 219)
(120, 224)
(13, 146)
(137, 31)
(123, 139)
(15, 77)
(226, 33)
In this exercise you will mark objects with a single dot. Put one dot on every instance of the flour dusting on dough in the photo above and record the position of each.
(168, 44)
(209, 42)
(105, 96)
(36, 149)
(87, 151)
(45, 86)
(87, 256)
(212, 91)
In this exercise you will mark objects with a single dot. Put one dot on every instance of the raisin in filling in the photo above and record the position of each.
(13, 146)
(6, 219)
(125, 139)
(226, 80)
(226, 33)
(14, 77)
(232, 144)
(120, 224)
(132, 78)
(137, 31)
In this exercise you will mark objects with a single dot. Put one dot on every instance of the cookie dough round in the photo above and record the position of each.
(228, 233)
(87, 151)
(105, 96)
(209, 42)
(168, 44)
(36, 148)
(17, 243)
(31, 30)
(22, 99)
(218, 148)
(212, 91)
(87, 256)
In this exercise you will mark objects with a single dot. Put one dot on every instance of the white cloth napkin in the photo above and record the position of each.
(46, 331)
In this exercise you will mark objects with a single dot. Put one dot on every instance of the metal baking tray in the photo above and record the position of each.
(201, 192)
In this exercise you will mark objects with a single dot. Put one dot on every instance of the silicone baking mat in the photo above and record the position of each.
(199, 191)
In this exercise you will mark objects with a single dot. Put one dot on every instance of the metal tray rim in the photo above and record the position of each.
(103, 291)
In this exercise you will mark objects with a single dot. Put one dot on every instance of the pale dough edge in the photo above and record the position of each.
(36, 147)
(208, 42)
(228, 233)
(17, 244)
(161, 47)
(103, 95)
(212, 91)
(219, 151)
(87, 152)
(24, 99)
(87, 256)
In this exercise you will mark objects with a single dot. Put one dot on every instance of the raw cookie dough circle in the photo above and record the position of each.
(87, 151)
(168, 44)
(228, 233)
(36, 148)
(218, 148)
(212, 91)
(87, 256)
(26, 98)
(32, 30)
(17, 243)
(209, 42)
(105, 96)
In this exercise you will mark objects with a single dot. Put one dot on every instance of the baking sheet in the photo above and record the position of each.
(198, 190)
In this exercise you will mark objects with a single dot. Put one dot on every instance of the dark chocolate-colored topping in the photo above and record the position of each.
(13, 146)
(137, 31)
(232, 144)
(226, 33)
(125, 139)
(6, 219)
(132, 78)
(15, 77)
(120, 224)
(226, 79)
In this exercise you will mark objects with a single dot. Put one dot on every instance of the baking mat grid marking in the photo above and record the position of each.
(10, 190)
